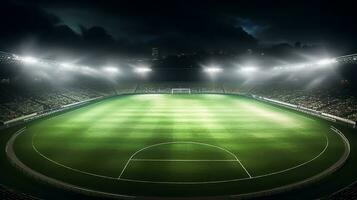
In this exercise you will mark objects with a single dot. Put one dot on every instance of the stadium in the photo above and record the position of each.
(259, 123)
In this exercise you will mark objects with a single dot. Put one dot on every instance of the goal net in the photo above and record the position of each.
(180, 91)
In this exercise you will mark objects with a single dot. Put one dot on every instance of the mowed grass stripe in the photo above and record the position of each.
(101, 138)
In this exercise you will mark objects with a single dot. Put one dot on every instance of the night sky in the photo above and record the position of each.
(133, 27)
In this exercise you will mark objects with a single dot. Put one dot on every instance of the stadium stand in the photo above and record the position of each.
(349, 192)
(165, 88)
(334, 101)
(9, 194)
(15, 104)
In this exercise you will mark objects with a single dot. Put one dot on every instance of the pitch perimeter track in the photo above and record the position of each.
(17, 163)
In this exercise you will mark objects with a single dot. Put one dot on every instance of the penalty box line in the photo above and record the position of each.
(180, 160)
(184, 142)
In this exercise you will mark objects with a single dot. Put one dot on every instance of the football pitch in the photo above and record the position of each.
(178, 145)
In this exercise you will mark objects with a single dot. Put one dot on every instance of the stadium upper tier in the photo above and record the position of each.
(15, 103)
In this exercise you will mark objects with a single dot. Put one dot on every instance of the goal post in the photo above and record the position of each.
(180, 91)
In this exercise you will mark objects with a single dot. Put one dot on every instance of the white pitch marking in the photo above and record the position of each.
(57, 163)
(179, 160)
(231, 180)
(193, 182)
(304, 163)
(183, 142)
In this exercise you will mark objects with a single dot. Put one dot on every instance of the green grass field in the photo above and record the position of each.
(179, 145)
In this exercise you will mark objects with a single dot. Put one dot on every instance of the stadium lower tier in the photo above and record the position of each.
(159, 145)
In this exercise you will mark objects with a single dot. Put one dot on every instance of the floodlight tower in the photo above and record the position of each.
(29, 59)
(248, 69)
(327, 61)
(212, 70)
(111, 70)
(352, 58)
(142, 71)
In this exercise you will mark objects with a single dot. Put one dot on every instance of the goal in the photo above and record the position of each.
(180, 91)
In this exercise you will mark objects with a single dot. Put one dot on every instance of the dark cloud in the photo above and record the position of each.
(133, 27)
(125, 26)
(27, 29)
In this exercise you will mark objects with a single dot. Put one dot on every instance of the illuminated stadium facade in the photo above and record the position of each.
(112, 73)
(175, 138)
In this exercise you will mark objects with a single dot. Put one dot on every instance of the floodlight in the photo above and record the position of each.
(298, 66)
(111, 70)
(87, 70)
(65, 65)
(142, 70)
(277, 68)
(326, 61)
(29, 59)
(212, 70)
(249, 69)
